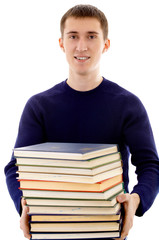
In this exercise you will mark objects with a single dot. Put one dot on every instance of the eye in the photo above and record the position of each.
(91, 36)
(73, 37)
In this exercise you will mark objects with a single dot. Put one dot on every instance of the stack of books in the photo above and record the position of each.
(71, 189)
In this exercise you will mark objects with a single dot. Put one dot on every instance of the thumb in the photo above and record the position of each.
(25, 209)
(122, 198)
(23, 202)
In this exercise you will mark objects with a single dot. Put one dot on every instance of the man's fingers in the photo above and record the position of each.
(24, 220)
(123, 198)
(127, 225)
(126, 200)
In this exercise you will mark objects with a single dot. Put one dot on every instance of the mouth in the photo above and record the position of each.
(82, 58)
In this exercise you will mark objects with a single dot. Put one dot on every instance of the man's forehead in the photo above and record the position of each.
(85, 24)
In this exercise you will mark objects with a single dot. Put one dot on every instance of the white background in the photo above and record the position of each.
(31, 61)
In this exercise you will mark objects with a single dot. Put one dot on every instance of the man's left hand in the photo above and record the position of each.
(130, 203)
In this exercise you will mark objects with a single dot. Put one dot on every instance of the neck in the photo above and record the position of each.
(84, 83)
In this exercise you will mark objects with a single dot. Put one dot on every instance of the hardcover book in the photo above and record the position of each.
(70, 177)
(75, 202)
(74, 210)
(76, 151)
(84, 164)
(75, 227)
(74, 218)
(70, 170)
(77, 235)
(71, 186)
(74, 195)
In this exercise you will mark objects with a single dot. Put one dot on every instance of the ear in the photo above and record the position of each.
(106, 45)
(61, 44)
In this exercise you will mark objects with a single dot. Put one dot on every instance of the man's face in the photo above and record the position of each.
(83, 44)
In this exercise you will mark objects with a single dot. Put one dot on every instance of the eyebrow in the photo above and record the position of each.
(75, 32)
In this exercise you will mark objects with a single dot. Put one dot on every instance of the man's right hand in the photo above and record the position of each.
(24, 220)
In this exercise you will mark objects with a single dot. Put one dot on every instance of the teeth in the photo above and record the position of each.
(82, 58)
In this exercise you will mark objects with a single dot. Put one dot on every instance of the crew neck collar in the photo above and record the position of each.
(72, 90)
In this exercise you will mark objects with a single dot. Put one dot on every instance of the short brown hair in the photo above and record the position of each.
(81, 11)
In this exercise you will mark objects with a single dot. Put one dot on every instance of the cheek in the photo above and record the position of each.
(98, 48)
(98, 53)
(68, 58)
(69, 51)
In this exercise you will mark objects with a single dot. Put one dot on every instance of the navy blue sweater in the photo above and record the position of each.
(106, 114)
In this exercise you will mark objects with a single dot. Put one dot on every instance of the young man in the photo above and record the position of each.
(90, 109)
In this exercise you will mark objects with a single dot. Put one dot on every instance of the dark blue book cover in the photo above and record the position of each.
(77, 151)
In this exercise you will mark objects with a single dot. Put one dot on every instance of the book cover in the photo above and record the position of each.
(69, 202)
(85, 164)
(74, 218)
(75, 227)
(74, 195)
(70, 177)
(74, 210)
(77, 235)
(76, 151)
(71, 186)
(74, 171)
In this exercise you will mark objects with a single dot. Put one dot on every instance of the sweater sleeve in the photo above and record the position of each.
(30, 132)
(139, 138)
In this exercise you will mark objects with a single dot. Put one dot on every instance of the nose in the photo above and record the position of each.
(81, 45)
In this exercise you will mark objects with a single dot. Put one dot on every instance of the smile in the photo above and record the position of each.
(82, 58)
